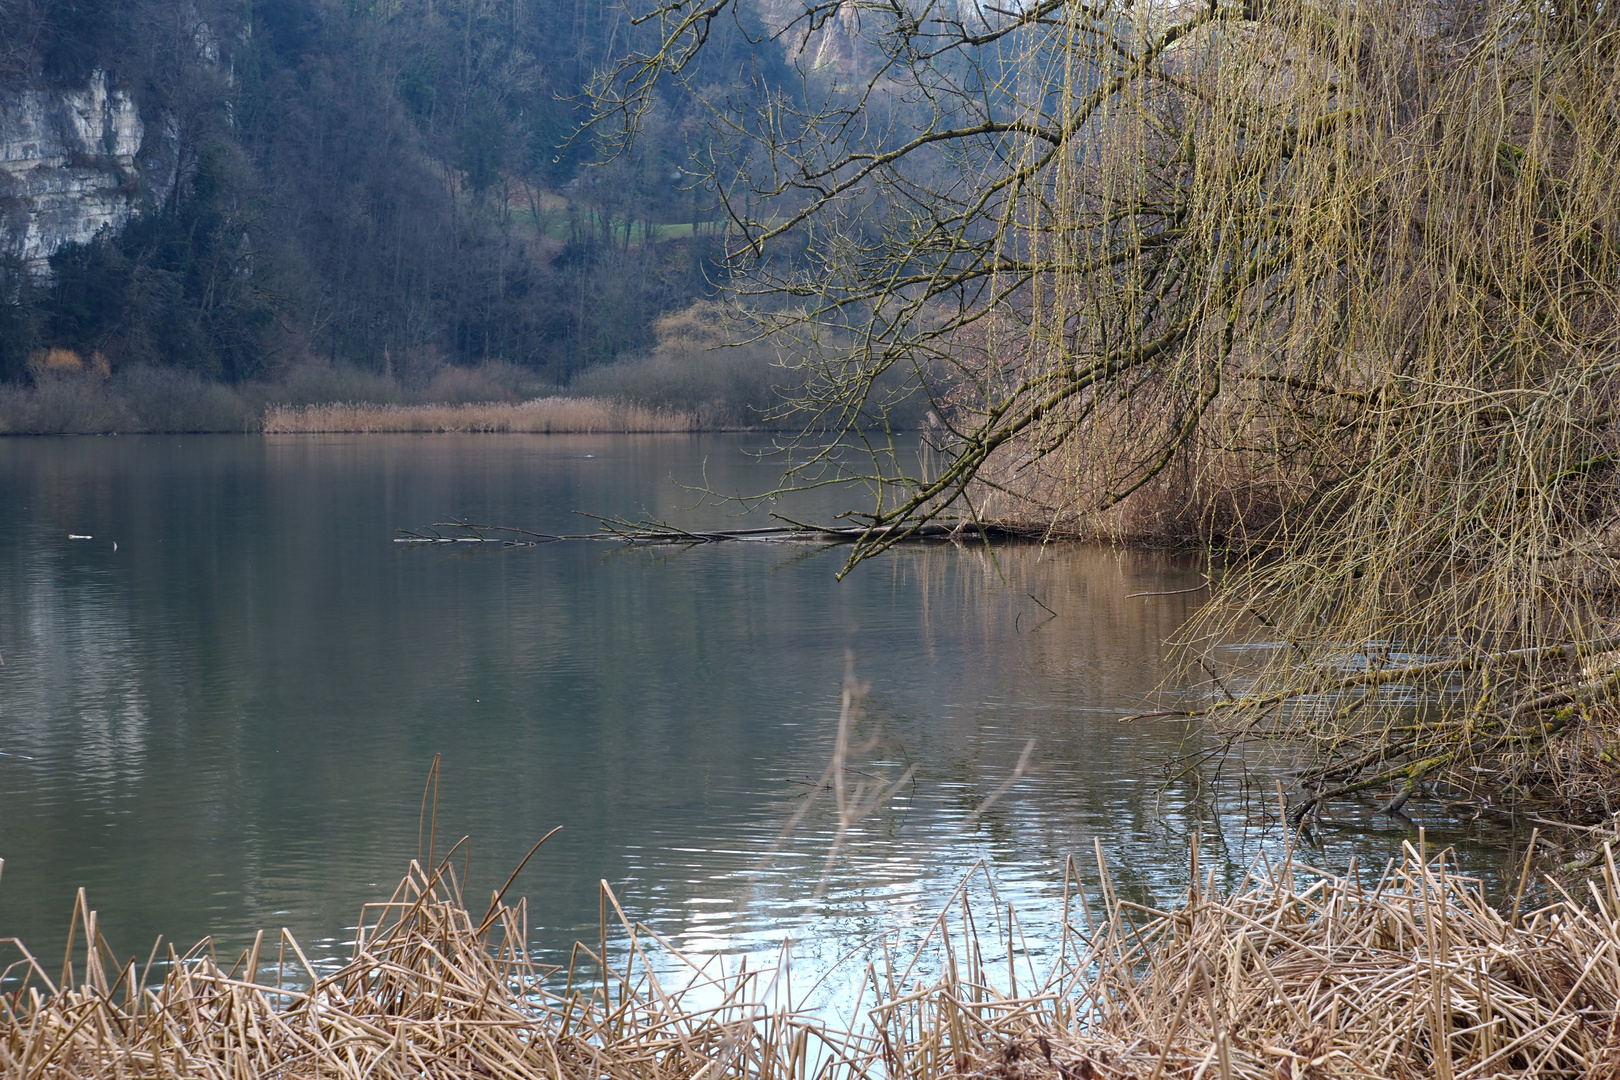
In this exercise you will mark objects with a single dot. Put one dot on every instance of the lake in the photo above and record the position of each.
(218, 713)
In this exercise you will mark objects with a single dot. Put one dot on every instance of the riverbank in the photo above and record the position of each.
(547, 416)
(162, 401)
(691, 381)
(1395, 671)
(1296, 973)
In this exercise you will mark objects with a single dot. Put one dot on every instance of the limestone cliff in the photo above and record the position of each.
(67, 166)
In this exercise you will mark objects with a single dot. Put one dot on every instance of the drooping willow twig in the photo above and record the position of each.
(1332, 286)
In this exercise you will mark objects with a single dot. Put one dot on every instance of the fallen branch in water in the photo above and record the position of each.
(650, 532)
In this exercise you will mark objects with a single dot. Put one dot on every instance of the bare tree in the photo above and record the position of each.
(1333, 284)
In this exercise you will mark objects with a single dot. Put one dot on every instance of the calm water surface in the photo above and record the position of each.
(224, 722)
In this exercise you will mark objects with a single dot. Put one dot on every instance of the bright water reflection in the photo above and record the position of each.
(225, 722)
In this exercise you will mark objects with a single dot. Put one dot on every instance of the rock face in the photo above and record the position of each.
(67, 167)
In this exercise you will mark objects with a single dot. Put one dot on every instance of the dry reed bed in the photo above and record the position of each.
(552, 416)
(1295, 974)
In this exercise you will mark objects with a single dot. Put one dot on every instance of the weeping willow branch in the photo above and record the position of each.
(1333, 286)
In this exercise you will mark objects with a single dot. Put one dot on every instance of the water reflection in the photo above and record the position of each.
(225, 723)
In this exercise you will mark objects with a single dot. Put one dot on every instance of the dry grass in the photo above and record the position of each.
(552, 415)
(1295, 974)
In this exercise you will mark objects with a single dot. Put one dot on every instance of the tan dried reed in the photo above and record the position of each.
(1296, 973)
(552, 415)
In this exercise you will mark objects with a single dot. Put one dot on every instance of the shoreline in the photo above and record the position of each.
(553, 415)
(331, 400)
(541, 416)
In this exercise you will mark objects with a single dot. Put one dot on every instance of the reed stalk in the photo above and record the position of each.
(1295, 973)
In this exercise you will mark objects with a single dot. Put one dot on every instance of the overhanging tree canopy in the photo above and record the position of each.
(1334, 283)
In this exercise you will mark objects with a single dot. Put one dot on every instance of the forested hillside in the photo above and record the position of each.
(383, 184)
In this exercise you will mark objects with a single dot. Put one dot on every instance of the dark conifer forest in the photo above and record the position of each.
(388, 185)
